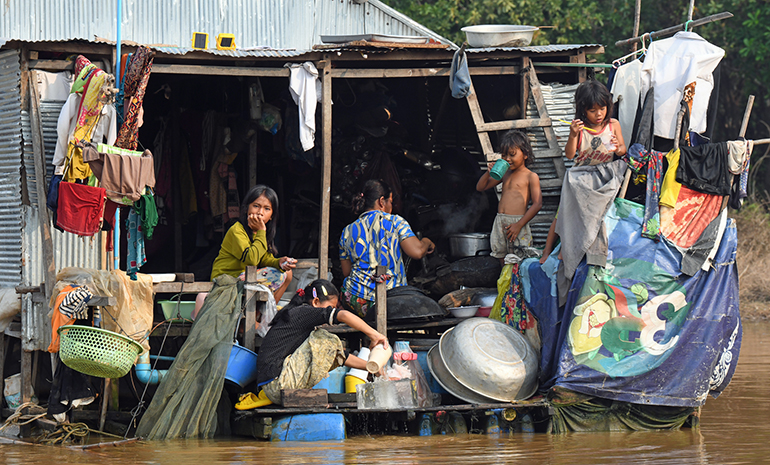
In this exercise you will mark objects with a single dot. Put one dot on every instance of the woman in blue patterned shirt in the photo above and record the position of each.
(377, 237)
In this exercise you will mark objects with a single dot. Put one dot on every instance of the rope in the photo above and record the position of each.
(76, 431)
(18, 416)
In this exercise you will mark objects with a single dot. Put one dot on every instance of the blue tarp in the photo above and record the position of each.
(639, 330)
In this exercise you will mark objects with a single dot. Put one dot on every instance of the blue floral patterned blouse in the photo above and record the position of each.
(374, 239)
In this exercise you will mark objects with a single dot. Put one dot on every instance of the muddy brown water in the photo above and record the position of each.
(734, 430)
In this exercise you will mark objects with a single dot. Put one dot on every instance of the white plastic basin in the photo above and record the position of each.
(497, 35)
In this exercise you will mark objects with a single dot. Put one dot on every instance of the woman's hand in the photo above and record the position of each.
(430, 246)
(256, 223)
(287, 263)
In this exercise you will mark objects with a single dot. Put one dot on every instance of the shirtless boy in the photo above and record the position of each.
(521, 198)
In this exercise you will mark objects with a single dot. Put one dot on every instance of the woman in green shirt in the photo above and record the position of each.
(250, 242)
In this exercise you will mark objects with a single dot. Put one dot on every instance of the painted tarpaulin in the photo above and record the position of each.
(638, 330)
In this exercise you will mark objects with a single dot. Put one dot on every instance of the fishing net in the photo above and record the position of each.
(185, 404)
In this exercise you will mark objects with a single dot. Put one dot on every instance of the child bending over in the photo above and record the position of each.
(521, 198)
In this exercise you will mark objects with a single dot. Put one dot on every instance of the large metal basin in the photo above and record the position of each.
(448, 381)
(490, 359)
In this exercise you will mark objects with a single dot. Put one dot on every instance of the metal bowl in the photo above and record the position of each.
(491, 359)
(464, 312)
(440, 373)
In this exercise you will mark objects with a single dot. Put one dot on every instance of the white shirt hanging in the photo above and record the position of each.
(305, 89)
(626, 88)
(671, 64)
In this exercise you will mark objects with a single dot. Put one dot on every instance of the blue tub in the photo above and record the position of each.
(242, 366)
(335, 382)
(309, 427)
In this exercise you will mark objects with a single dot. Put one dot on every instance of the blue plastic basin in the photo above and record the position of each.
(242, 366)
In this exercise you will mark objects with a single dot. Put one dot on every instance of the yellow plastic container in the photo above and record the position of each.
(351, 382)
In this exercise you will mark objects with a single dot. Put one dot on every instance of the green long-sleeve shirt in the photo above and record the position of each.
(239, 251)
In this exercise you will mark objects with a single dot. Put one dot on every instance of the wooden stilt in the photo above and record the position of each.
(381, 300)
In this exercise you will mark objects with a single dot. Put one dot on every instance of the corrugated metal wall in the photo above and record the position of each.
(49, 113)
(10, 169)
(560, 103)
(69, 249)
(278, 24)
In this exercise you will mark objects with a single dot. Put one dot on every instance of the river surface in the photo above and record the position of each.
(734, 430)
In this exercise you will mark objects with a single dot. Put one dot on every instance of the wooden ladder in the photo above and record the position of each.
(530, 84)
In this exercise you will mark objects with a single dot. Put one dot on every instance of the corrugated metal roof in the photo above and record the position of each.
(283, 25)
(10, 173)
(259, 53)
(555, 48)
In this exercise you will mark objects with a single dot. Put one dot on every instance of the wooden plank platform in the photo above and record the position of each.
(346, 408)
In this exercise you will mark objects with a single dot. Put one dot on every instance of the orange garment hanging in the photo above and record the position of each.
(58, 319)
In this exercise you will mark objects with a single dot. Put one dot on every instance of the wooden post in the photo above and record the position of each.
(26, 375)
(324, 68)
(250, 330)
(381, 301)
(105, 402)
(40, 181)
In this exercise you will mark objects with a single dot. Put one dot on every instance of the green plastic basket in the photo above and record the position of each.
(96, 351)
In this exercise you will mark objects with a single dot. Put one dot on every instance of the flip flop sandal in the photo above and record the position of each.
(251, 401)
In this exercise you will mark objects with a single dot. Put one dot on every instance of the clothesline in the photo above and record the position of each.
(674, 29)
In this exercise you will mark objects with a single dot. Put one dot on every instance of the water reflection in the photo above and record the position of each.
(733, 431)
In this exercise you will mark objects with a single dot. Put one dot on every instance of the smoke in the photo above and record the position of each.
(462, 217)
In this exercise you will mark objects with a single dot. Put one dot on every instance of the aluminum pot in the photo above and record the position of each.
(491, 359)
(469, 244)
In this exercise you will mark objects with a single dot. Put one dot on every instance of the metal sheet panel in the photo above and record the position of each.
(560, 103)
(281, 24)
(10, 172)
(49, 113)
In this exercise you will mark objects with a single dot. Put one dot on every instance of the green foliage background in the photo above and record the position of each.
(745, 38)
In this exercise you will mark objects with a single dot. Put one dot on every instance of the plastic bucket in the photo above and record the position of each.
(12, 391)
(242, 366)
(351, 382)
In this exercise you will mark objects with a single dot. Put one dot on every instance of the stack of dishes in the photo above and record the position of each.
(482, 360)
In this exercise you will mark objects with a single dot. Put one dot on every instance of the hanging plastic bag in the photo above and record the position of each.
(503, 284)
(271, 118)
(268, 312)
(404, 357)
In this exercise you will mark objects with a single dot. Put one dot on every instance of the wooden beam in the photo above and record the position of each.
(250, 320)
(62, 65)
(210, 70)
(324, 68)
(515, 124)
(420, 72)
(478, 121)
(182, 288)
(49, 262)
(381, 301)
(24, 83)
